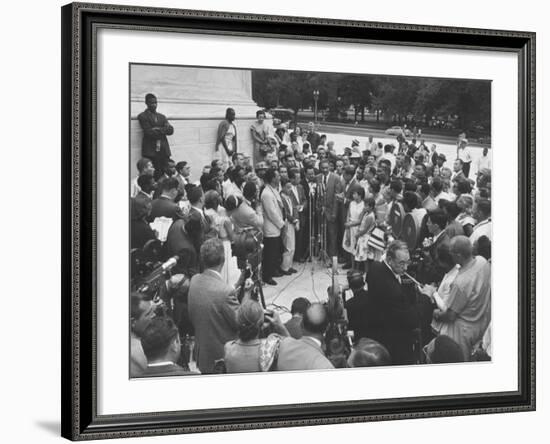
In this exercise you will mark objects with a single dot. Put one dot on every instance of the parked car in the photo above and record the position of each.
(282, 115)
(398, 131)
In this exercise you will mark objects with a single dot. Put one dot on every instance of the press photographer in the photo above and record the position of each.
(213, 306)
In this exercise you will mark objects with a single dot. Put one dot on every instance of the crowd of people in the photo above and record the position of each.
(299, 199)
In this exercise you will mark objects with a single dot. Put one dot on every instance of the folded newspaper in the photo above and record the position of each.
(161, 225)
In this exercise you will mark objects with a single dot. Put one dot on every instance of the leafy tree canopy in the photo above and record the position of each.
(424, 98)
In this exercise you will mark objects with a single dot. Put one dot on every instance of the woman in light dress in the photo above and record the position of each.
(261, 131)
(355, 214)
(248, 353)
(380, 206)
(363, 253)
(297, 142)
(226, 142)
(222, 224)
(466, 203)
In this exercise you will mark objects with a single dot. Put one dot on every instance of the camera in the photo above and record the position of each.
(417, 265)
(247, 248)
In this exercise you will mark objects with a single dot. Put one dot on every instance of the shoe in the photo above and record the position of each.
(346, 267)
(270, 282)
(292, 270)
(285, 273)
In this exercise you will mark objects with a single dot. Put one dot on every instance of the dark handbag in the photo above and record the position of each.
(265, 149)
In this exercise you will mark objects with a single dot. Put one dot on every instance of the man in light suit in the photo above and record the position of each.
(299, 200)
(306, 353)
(274, 222)
(331, 187)
(213, 307)
(291, 223)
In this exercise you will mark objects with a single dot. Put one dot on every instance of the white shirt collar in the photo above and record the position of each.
(216, 272)
(314, 340)
(483, 222)
(437, 236)
(391, 269)
(160, 364)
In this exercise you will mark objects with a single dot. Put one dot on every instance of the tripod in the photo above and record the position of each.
(322, 224)
(253, 270)
(317, 225)
(310, 250)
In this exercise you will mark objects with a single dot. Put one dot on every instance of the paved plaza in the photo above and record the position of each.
(449, 149)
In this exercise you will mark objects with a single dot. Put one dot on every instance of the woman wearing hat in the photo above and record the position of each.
(248, 353)
(281, 134)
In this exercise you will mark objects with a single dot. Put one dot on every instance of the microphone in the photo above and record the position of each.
(170, 263)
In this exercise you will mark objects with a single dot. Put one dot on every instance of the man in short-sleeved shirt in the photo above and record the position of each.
(464, 154)
(470, 298)
(468, 306)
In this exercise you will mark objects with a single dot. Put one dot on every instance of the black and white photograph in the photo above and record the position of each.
(275, 221)
(272, 222)
(285, 220)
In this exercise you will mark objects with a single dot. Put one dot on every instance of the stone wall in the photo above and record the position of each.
(194, 100)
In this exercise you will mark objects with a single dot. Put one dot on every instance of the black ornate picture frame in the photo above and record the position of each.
(80, 22)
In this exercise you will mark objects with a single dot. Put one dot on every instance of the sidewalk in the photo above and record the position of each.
(342, 141)
(380, 131)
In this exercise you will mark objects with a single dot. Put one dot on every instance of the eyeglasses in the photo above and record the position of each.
(402, 263)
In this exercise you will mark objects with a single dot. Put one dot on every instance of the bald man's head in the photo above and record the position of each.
(461, 249)
(315, 320)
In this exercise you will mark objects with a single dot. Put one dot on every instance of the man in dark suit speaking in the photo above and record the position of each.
(395, 318)
(331, 188)
(155, 128)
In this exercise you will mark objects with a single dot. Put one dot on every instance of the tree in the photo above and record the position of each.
(356, 90)
(396, 96)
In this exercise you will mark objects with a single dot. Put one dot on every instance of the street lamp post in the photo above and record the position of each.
(315, 98)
